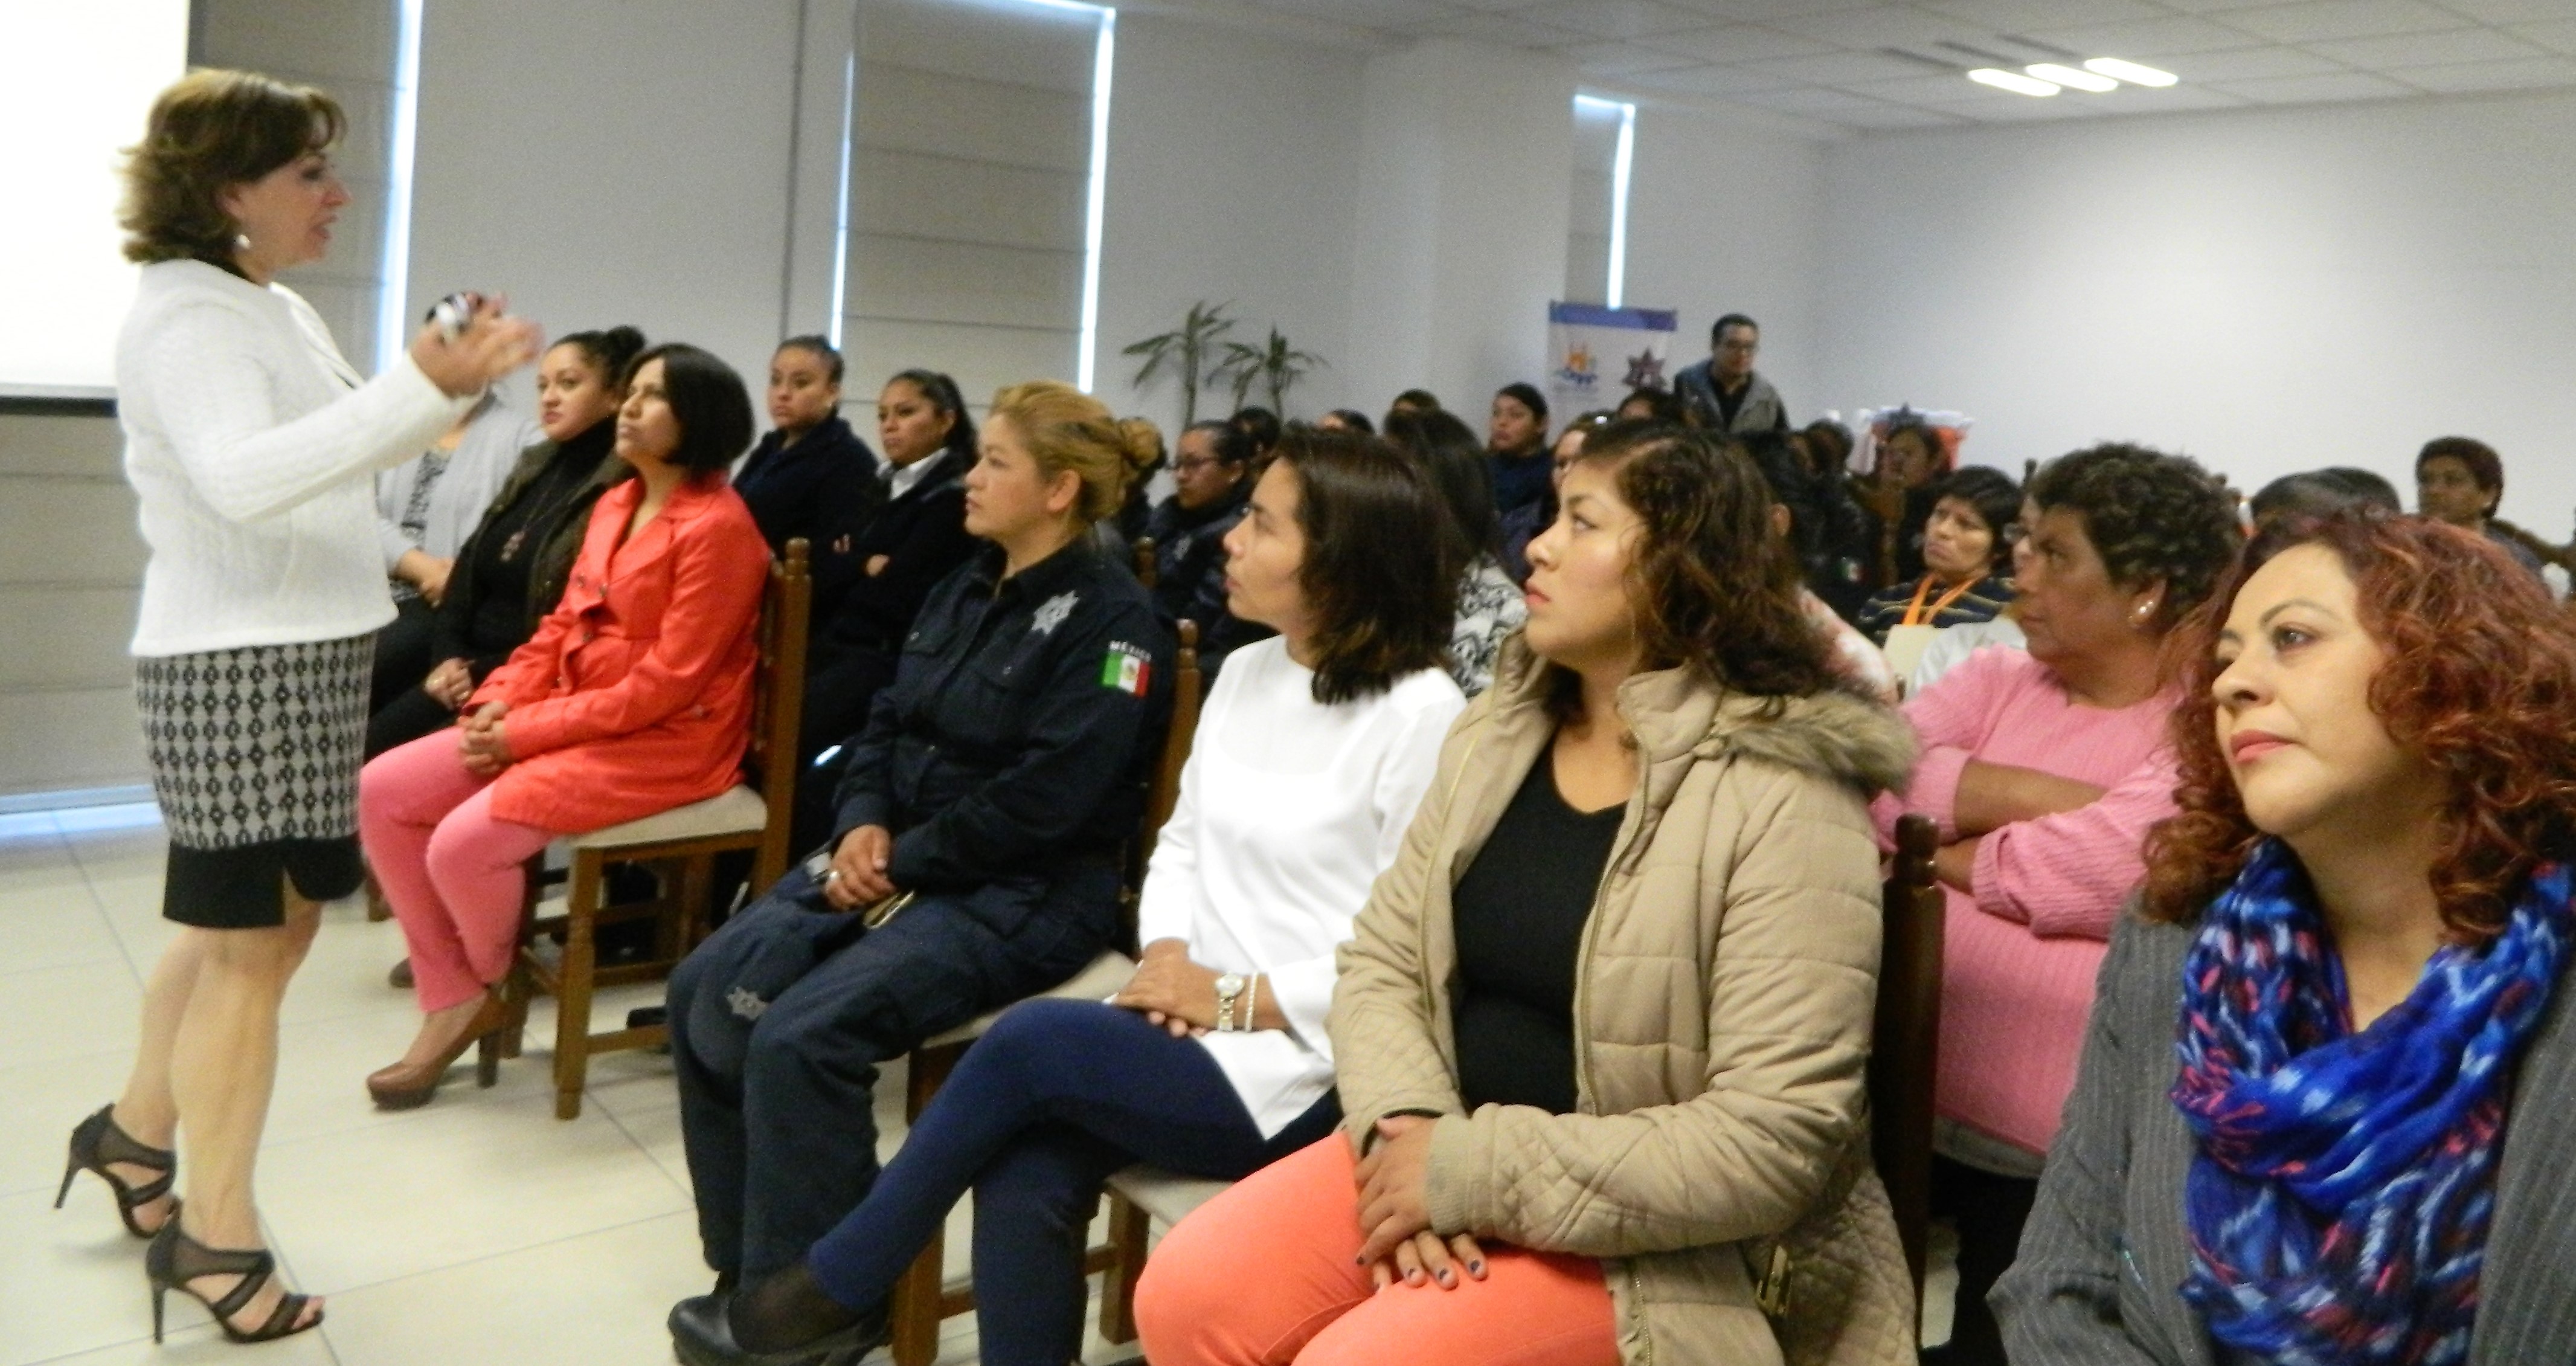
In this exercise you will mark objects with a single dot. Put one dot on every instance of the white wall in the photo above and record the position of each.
(1465, 168)
(1726, 215)
(2269, 290)
(1232, 177)
(611, 161)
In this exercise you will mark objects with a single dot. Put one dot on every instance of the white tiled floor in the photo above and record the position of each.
(477, 1230)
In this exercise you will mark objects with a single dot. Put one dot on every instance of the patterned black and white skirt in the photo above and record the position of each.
(255, 756)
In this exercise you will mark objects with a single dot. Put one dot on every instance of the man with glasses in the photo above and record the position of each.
(1723, 393)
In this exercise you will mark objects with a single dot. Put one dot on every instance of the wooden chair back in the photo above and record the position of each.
(1145, 566)
(1165, 791)
(778, 705)
(1906, 1036)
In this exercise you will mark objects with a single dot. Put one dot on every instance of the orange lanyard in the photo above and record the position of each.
(1914, 613)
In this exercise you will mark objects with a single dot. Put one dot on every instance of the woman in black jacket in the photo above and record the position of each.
(915, 538)
(512, 570)
(811, 476)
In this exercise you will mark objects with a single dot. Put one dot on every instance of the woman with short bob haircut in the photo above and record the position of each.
(251, 443)
(1315, 747)
(1600, 1032)
(2322, 1110)
(633, 697)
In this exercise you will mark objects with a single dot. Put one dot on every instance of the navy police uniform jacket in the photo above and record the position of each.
(1023, 720)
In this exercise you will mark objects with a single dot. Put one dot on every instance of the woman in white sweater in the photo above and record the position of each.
(1313, 751)
(252, 447)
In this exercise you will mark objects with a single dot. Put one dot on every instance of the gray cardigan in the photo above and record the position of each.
(2106, 1247)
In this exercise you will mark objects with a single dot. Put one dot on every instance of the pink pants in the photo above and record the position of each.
(1263, 1275)
(448, 865)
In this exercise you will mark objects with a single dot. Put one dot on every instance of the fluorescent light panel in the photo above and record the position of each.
(393, 306)
(2013, 81)
(841, 206)
(2090, 82)
(1614, 290)
(1102, 61)
(2131, 72)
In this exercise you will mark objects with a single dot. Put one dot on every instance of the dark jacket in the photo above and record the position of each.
(824, 488)
(1189, 556)
(2106, 1248)
(550, 545)
(1022, 720)
(923, 537)
(1760, 410)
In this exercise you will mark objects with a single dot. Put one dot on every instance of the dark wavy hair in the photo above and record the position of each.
(820, 348)
(708, 399)
(2149, 516)
(212, 130)
(1447, 450)
(949, 402)
(1381, 570)
(2480, 676)
(1662, 405)
(2485, 467)
(1715, 590)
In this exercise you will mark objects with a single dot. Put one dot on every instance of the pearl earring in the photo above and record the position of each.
(241, 241)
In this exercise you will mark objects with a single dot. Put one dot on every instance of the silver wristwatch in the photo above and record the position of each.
(1229, 989)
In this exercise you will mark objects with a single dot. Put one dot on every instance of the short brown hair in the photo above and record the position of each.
(1067, 429)
(2480, 676)
(209, 131)
(1380, 574)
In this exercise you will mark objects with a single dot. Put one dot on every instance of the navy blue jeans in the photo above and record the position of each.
(1058, 1095)
(781, 1019)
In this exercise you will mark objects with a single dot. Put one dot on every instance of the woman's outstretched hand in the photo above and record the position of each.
(489, 346)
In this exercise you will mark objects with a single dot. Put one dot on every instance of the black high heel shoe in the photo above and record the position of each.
(97, 1144)
(174, 1259)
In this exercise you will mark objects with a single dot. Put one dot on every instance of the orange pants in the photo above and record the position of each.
(1263, 1275)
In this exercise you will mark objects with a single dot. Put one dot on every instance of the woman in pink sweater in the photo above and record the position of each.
(2044, 771)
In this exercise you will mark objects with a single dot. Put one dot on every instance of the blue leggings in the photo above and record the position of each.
(1039, 1113)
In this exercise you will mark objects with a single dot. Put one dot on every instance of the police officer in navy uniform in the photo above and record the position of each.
(974, 860)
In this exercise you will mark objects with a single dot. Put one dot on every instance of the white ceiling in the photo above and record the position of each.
(1871, 67)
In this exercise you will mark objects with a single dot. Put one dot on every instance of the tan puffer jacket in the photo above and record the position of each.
(1723, 997)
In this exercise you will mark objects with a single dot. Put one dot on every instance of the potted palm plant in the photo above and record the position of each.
(1274, 365)
(1185, 351)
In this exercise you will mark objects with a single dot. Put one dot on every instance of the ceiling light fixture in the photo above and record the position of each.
(2131, 72)
(2086, 81)
(2013, 81)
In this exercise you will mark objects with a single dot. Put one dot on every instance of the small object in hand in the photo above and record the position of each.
(454, 312)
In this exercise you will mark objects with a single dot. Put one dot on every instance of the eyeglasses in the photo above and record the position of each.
(1193, 465)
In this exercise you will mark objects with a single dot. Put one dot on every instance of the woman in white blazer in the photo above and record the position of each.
(1312, 753)
(252, 447)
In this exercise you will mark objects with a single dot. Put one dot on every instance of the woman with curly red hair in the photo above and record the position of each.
(2353, 934)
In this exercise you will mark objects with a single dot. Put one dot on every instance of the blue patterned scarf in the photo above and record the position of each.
(2340, 1200)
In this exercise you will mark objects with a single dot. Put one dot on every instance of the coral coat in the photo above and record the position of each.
(635, 694)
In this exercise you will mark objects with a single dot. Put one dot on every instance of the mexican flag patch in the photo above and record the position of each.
(1127, 668)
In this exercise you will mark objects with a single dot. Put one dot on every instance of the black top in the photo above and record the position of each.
(1022, 720)
(1519, 915)
(823, 488)
(499, 593)
(1189, 557)
(923, 537)
(1520, 480)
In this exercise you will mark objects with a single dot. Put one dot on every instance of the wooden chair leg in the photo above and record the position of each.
(572, 996)
(915, 1317)
(1128, 1229)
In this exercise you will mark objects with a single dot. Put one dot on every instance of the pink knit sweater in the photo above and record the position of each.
(2021, 950)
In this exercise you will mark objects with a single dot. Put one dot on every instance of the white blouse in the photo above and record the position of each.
(1289, 810)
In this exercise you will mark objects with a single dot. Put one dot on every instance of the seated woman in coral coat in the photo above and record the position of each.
(633, 697)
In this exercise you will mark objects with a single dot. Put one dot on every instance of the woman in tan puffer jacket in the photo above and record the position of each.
(1610, 1010)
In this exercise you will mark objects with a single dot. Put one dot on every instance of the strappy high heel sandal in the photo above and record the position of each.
(174, 1259)
(97, 1145)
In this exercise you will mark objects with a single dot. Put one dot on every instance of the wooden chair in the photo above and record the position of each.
(1903, 1046)
(1905, 1041)
(1146, 568)
(682, 845)
(923, 1297)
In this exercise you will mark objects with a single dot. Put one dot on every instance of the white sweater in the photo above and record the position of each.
(251, 446)
(1288, 812)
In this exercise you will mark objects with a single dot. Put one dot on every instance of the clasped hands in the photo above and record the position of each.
(1394, 1180)
(483, 741)
(857, 876)
(1171, 991)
